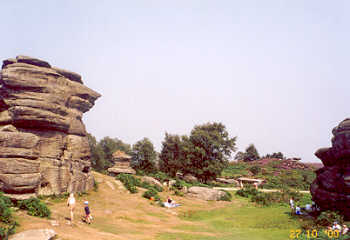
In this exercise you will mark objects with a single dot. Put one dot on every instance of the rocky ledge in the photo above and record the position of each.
(43, 145)
(331, 188)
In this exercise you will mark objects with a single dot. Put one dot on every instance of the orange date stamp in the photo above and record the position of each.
(312, 234)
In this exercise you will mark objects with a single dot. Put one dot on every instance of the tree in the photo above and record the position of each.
(98, 160)
(144, 155)
(251, 154)
(278, 155)
(240, 156)
(172, 154)
(109, 146)
(207, 151)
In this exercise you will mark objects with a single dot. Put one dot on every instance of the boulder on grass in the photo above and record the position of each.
(35, 234)
(189, 178)
(151, 180)
(205, 193)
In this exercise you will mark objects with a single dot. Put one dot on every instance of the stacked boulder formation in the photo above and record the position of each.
(331, 188)
(44, 149)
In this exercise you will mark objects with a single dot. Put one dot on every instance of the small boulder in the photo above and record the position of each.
(35, 234)
(190, 178)
(205, 193)
(151, 180)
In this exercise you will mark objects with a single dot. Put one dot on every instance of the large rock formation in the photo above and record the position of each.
(204, 193)
(331, 189)
(43, 145)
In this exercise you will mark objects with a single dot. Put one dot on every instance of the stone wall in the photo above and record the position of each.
(331, 189)
(43, 145)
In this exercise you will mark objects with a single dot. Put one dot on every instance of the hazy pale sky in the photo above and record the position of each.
(276, 73)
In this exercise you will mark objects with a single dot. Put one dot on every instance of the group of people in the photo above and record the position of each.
(309, 208)
(71, 204)
(337, 227)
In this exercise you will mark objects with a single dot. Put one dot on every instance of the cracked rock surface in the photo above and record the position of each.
(43, 145)
(331, 188)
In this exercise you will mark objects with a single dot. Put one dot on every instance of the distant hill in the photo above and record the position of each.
(289, 163)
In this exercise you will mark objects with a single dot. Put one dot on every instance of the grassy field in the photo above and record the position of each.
(242, 221)
(121, 215)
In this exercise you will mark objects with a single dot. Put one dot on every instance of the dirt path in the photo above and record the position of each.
(117, 215)
(263, 190)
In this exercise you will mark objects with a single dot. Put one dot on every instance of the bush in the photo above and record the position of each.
(95, 185)
(6, 231)
(151, 193)
(179, 193)
(160, 176)
(261, 198)
(5, 211)
(255, 170)
(34, 207)
(327, 218)
(227, 197)
(129, 181)
(247, 192)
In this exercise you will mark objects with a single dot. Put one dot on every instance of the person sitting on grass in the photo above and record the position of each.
(345, 229)
(336, 227)
(298, 211)
(88, 216)
(170, 201)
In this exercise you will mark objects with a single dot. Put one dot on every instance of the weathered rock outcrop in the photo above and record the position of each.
(331, 188)
(204, 193)
(43, 144)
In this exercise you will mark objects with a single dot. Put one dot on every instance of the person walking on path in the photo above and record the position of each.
(71, 205)
(88, 216)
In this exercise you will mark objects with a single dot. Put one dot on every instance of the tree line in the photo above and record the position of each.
(204, 153)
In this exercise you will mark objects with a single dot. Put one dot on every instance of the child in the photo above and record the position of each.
(88, 216)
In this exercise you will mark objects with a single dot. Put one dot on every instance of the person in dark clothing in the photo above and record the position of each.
(88, 216)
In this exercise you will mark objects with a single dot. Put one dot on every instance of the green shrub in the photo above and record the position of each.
(327, 218)
(5, 211)
(261, 198)
(34, 207)
(151, 193)
(129, 181)
(179, 193)
(227, 197)
(255, 169)
(5, 232)
(160, 176)
(95, 185)
(247, 192)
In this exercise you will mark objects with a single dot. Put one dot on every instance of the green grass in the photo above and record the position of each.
(240, 221)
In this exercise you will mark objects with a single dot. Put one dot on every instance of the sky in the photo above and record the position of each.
(275, 73)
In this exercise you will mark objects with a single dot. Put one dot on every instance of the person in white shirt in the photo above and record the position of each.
(291, 203)
(336, 226)
(345, 229)
(71, 205)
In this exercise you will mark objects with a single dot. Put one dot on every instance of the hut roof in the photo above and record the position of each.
(120, 155)
(250, 179)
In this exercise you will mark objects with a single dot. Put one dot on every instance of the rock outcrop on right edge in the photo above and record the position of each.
(331, 188)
